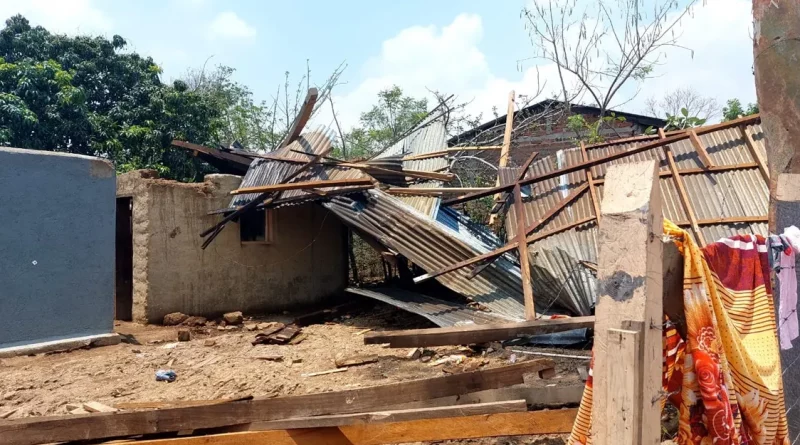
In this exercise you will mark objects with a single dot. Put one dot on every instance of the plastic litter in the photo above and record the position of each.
(163, 375)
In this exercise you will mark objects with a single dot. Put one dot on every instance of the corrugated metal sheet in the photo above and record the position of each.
(270, 171)
(440, 312)
(433, 244)
(559, 277)
(429, 138)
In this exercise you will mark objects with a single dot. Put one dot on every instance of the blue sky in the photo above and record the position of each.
(470, 48)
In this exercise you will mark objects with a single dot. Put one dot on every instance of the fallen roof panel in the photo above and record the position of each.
(440, 312)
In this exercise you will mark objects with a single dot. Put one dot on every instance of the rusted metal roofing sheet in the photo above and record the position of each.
(435, 243)
(440, 312)
(270, 171)
(429, 138)
(560, 278)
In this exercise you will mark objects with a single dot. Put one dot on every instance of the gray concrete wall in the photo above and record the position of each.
(56, 246)
(304, 264)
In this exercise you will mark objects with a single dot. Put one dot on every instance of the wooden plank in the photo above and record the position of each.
(446, 152)
(405, 415)
(303, 185)
(699, 148)
(507, 248)
(726, 220)
(544, 397)
(574, 168)
(302, 118)
(470, 334)
(624, 388)
(438, 191)
(29, 431)
(630, 291)
(524, 260)
(567, 200)
(590, 181)
(694, 171)
(755, 153)
(684, 196)
(97, 407)
(424, 430)
(504, 152)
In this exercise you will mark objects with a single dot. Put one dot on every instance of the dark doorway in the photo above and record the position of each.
(123, 293)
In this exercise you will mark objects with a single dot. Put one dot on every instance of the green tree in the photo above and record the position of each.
(87, 95)
(393, 115)
(734, 110)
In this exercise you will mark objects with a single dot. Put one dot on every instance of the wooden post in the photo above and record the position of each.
(776, 61)
(504, 152)
(522, 246)
(627, 370)
(590, 181)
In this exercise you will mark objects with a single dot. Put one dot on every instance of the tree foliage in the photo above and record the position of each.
(734, 110)
(389, 119)
(85, 95)
(674, 102)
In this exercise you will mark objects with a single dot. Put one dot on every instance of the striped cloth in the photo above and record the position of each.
(725, 378)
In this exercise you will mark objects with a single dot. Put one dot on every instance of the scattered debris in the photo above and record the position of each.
(8, 414)
(330, 371)
(166, 375)
(233, 317)
(450, 359)
(414, 354)
(184, 335)
(270, 357)
(279, 335)
(355, 360)
(136, 351)
(550, 354)
(362, 332)
(266, 326)
(250, 327)
(546, 374)
(172, 345)
(209, 342)
(174, 319)
(97, 407)
(70, 407)
(262, 337)
(584, 373)
(195, 321)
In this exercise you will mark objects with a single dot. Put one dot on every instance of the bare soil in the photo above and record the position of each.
(230, 368)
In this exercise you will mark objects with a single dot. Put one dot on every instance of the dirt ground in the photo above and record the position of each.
(230, 367)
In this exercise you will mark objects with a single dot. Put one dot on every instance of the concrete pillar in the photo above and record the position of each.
(776, 55)
(627, 343)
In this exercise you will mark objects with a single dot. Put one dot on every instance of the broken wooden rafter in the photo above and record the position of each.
(391, 416)
(303, 185)
(755, 153)
(524, 260)
(504, 155)
(590, 181)
(684, 196)
(435, 191)
(424, 430)
(37, 430)
(302, 118)
(478, 333)
(698, 147)
(571, 169)
(445, 152)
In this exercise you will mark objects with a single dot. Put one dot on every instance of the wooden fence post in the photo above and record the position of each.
(629, 314)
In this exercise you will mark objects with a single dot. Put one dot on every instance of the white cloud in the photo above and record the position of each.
(449, 59)
(228, 25)
(67, 16)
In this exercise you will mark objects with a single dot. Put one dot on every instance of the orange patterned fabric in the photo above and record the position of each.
(726, 378)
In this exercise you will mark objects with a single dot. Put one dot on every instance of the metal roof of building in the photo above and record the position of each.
(429, 138)
(440, 312)
(265, 171)
(435, 243)
(731, 198)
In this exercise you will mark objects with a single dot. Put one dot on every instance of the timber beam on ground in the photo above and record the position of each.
(558, 421)
(471, 334)
(38, 430)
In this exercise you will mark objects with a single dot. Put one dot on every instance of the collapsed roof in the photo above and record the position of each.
(713, 180)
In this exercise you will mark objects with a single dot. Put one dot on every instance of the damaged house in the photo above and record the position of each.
(268, 261)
